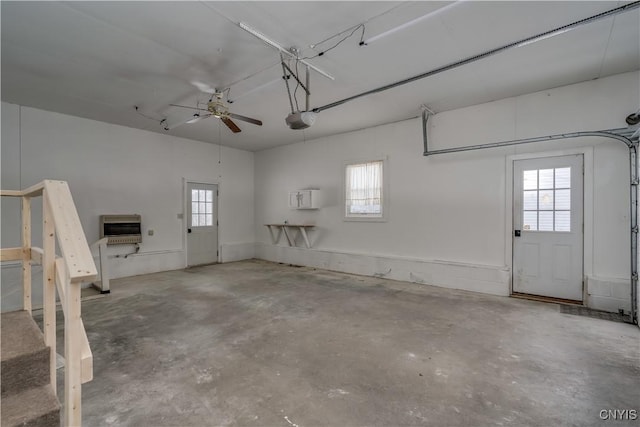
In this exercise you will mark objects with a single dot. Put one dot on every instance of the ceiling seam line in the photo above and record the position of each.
(606, 47)
(110, 24)
(218, 12)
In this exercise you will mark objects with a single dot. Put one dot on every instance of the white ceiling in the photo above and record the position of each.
(100, 59)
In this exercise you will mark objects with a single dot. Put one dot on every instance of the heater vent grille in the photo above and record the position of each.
(121, 229)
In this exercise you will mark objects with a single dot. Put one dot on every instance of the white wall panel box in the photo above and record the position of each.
(305, 199)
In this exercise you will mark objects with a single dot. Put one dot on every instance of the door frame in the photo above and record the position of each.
(587, 209)
(185, 247)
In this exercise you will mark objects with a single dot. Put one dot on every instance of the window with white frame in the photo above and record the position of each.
(201, 208)
(546, 199)
(364, 190)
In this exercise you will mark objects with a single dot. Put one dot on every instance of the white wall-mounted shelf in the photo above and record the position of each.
(276, 230)
(305, 199)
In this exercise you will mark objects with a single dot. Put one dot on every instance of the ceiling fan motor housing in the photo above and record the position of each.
(301, 119)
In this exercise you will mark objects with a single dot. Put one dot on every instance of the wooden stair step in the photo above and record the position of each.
(24, 357)
(34, 407)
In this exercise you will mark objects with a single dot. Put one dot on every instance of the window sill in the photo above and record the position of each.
(364, 219)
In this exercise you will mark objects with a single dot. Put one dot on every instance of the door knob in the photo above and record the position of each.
(516, 233)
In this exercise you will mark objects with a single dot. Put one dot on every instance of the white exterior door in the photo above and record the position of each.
(548, 230)
(202, 223)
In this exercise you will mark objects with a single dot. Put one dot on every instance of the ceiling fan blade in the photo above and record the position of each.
(246, 119)
(227, 121)
(184, 106)
(197, 117)
(203, 87)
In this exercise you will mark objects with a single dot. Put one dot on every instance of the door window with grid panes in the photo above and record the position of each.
(546, 201)
(201, 208)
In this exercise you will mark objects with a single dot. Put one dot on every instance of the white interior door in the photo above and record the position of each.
(202, 223)
(548, 230)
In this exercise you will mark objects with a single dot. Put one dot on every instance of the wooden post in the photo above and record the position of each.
(72, 346)
(104, 268)
(49, 285)
(26, 254)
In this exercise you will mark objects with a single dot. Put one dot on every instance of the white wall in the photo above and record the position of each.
(115, 169)
(447, 213)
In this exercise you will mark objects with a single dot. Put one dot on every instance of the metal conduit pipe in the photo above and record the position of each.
(616, 134)
(519, 43)
(633, 208)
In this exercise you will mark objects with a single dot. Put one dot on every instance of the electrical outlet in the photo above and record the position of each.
(150, 232)
(180, 216)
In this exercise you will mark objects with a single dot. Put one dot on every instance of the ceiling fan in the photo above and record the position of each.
(216, 108)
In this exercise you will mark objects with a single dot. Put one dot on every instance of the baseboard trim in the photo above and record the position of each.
(542, 298)
(494, 280)
(237, 251)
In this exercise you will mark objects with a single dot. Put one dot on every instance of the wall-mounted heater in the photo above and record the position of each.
(121, 229)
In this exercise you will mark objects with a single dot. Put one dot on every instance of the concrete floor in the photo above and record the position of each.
(261, 344)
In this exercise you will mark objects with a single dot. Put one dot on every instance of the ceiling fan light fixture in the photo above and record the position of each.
(214, 109)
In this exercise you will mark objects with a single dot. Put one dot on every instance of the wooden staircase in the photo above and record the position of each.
(28, 356)
(28, 399)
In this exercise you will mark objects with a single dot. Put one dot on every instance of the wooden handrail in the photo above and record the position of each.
(72, 241)
(33, 191)
(11, 254)
(11, 193)
(59, 219)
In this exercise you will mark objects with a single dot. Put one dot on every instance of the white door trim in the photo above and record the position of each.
(186, 181)
(587, 262)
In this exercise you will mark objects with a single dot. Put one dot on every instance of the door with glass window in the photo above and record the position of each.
(548, 230)
(202, 223)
